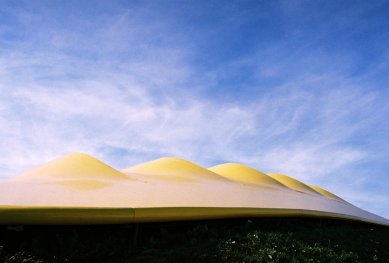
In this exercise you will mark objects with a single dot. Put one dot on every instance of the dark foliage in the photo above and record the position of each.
(238, 240)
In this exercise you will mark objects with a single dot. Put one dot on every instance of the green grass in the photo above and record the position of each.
(238, 240)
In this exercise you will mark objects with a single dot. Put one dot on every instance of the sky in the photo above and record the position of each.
(295, 87)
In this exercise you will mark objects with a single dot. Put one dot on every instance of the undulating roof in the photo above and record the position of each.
(79, 189)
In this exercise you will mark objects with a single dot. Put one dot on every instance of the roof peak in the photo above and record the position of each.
(73, 166)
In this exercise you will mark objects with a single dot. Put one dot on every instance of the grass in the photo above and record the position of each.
(238, 240)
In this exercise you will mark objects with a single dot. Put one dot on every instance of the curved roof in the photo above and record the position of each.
(293, 183)
(244, 174)
(79, 189)
(172, 168)
(73, 166)
(325, 193)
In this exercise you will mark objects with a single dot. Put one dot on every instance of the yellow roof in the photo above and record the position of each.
(293, 183)
(244, 174)
(325, 193)
(73, 166)
(79, 189)
(172, 168)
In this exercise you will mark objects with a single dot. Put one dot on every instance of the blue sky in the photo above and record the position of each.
(298, 87)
